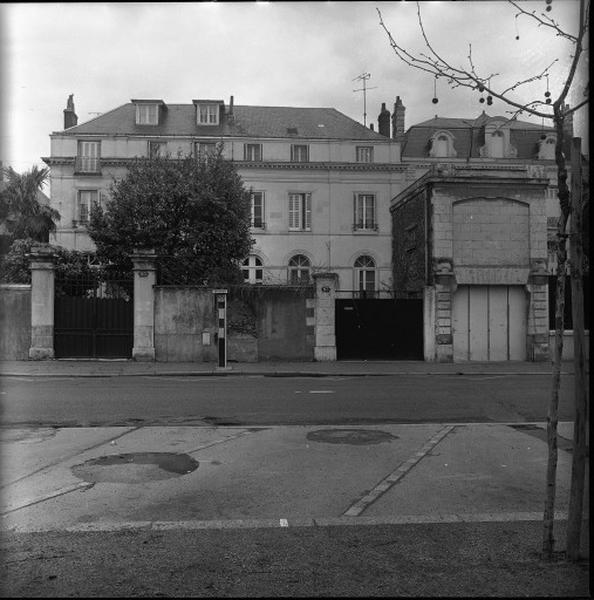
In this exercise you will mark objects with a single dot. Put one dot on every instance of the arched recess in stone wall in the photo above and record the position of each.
(491, 232)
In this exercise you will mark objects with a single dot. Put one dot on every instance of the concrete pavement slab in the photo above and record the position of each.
(289, 475)
(243, 474)
(482, 468)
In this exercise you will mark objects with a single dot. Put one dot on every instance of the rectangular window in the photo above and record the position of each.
(86, 199)
(257, 209)
(87, 160)
(299, 153)
(365, 154)
(299, 212)
(156, 149)
(365, 212)
(147, 114)
(204, 149)
(252, 152)
(208, 114)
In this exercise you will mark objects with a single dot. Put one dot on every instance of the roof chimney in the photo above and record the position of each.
(231, 106)
(383, 121)
(398, 120)
(70, 118)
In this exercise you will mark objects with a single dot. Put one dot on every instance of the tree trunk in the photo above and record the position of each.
(578, 467)
(548, 542)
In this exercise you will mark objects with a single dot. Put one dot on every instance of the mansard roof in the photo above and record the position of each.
(246, 121)
(469, 135)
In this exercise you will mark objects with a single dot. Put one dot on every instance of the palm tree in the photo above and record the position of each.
(21, 212)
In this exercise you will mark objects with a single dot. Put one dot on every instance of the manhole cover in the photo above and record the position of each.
(136, 467)
(350, 436)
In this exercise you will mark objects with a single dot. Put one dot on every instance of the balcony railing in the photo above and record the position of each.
(86, 164)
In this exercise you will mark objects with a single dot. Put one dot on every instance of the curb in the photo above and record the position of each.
(281, 374)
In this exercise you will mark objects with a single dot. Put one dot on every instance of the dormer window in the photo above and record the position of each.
(147, 111)
(207, 114)
(442, 145)
(496, 143)
(546, 147)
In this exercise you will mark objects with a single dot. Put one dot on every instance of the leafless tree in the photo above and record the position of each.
(558, 111)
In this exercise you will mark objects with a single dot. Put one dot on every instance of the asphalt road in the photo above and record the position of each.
(262, 400)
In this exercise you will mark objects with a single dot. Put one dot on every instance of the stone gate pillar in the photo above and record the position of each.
(144, 304)
(42, 303)
(538, 315)
(325, 333)
(445, 288)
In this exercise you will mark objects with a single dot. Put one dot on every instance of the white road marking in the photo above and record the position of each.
(321, 391)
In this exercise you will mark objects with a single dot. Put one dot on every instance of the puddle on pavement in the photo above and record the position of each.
(135, 467)
(357, 437)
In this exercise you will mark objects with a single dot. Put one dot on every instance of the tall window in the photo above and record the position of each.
(252, 269)
(257, 210)
(299, 268)
(299, 212)
(441, 146)
(496, 144)
(86, 200)
(365, 275)
(299, 153)
(147, 114)
(204, 149)
(365, 154)
(207, 114)
(252, 152)
(87, 160)
(156, 149)
(365, 219)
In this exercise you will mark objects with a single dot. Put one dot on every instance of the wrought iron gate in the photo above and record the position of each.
(379, 329)
(94, 317)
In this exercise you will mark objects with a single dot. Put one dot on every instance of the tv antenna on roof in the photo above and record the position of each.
(364, 77)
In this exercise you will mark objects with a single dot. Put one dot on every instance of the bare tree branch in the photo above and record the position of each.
(543, 20)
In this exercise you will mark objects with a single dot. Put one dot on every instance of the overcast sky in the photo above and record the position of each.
(275, 54)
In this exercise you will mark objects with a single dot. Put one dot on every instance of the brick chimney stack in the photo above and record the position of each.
(383, 121)
(398, 120)
(70, 118)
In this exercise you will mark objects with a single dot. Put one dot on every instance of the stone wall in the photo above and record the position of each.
(15, 321)
(263, 323)
(408, 247)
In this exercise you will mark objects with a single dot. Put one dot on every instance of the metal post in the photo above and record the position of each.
(221, 307)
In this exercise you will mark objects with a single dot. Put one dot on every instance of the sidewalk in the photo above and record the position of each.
(123, 367)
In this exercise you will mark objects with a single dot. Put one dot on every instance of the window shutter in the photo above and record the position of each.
(293, 211)
(307, 212)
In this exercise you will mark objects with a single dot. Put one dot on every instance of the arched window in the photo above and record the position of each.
(546, 148)
(441, 146)
(252, 269)
(299, 267)
(496, 144)
(365, 275)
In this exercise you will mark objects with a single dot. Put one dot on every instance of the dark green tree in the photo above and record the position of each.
(21, 213)
(194, 213)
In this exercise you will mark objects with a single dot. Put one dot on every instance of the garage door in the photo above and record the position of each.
(489, 323)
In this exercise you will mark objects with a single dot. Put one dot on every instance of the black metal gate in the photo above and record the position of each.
(94, 318)
(379, 329)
